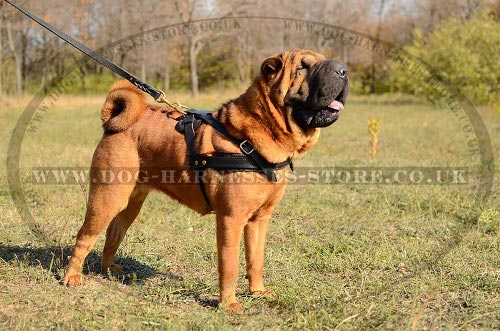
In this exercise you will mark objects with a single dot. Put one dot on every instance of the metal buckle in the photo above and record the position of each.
(248, 145)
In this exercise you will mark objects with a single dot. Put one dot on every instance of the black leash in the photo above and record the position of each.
(158, 95)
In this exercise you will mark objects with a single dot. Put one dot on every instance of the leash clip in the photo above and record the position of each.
(175, 105)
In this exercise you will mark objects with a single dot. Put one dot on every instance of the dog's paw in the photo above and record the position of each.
(113, 268)
(73, 279)
(263, 293)
(232, 308)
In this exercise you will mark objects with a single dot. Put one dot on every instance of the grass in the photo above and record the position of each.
(339, 256)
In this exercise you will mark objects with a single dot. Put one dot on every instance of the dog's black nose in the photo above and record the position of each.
(333, 67)
(341, 72)
(339, 68)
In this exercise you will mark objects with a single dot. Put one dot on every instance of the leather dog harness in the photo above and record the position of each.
(250, 160)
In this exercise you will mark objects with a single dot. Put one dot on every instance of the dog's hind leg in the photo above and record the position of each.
(104, 204)
(119, 226)
(109, 194)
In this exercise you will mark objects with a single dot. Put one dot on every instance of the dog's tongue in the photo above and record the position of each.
(336, 105)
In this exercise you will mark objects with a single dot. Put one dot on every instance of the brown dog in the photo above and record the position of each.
(296, 93)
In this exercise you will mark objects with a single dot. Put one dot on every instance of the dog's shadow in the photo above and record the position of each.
(55, 258)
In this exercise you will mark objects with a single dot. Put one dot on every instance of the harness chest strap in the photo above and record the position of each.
(250, 160)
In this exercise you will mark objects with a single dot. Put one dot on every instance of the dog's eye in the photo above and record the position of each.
(300, 70)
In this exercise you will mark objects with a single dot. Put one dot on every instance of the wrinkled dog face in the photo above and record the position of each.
(314, 89)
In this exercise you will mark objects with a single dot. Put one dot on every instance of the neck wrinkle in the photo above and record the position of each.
(255, 109)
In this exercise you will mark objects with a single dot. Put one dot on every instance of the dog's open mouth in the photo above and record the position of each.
(314, 118)
(328, 115)
(335, 105)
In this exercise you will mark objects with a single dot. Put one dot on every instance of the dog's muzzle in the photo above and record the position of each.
(329, 87)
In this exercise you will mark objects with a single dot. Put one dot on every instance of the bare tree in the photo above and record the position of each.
(16, 54)
(431, 13)
(197, 40)
(380, 13)
(81, 15)
(1, 49)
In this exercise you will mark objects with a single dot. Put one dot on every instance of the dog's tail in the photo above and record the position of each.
(124, 105)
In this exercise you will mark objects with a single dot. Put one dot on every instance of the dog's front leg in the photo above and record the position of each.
(229, 231)
(255, 239)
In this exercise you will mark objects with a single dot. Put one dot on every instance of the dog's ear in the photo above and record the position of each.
(271, 66)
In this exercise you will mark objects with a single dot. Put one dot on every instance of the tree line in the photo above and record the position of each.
(198, 45)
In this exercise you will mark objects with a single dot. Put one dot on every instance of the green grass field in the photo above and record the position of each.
(340, 257)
